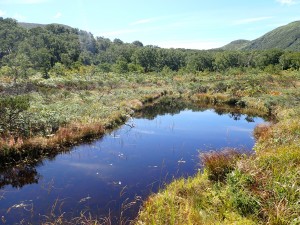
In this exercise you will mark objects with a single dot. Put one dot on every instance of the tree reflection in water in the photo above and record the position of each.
(24, 172)
(19, 175)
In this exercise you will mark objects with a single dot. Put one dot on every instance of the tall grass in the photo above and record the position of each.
(261, 189)
(219, 163)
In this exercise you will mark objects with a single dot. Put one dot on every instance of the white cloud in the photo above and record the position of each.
(2, 13)
(287, 2)
(57, 15)
(251, 20)
(19, 17)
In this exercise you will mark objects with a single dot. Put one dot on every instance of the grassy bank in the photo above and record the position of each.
(260, 189)
(65, 111)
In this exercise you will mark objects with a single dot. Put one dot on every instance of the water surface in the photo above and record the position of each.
(135, 160)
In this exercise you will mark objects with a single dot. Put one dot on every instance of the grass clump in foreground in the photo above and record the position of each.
(219, 164)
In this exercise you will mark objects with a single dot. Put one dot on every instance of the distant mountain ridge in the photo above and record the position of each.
(34, 25)
(286, 37)
(236, 45)
(31, 25)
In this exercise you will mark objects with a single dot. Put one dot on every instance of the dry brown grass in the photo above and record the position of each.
(219, 164)
(261, 131)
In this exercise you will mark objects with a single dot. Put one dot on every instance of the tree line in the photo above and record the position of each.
(57, 47)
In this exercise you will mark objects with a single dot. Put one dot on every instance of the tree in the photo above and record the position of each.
(172, 58)
(102, 43)
(18, 65)
(227, 59)
(121, 66)
(146, 57)
(290, 60)
(138, 44)
(200, 61)
(267, 57)
(42, 61)
(118, 41)
(12, 121)
(86, 58)
(10, 35)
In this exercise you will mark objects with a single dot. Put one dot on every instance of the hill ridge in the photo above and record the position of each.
(286, 37)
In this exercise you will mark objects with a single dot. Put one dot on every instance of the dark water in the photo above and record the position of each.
(132, 161)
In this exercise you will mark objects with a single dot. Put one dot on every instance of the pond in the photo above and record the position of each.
(124, 166)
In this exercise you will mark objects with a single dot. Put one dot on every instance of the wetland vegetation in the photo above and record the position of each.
(61, 86)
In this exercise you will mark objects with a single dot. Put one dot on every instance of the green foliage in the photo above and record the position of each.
(12, 120)
(138, 44)
(11, 35)
(146, 57)
(58, 69)
(267, 57)
(105, 67)
(200, 62)
(40, 47)
(18, 65)
(290, 60)
(226, 60)
(240, 197)
(121, 66)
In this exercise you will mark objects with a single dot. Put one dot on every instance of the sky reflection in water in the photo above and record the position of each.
(128, 162)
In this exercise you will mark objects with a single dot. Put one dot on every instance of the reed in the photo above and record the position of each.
(219, 164)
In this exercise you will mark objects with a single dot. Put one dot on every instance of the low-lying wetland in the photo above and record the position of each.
(110, 177)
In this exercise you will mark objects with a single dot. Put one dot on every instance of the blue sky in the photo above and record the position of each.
(197, 24)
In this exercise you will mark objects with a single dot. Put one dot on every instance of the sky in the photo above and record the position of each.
(193, 24)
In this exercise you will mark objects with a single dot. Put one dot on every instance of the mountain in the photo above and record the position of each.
(236, 45)
(285, 37)
(31, 25)
(34, 25)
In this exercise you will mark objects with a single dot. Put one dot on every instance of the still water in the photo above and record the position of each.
(129, 163)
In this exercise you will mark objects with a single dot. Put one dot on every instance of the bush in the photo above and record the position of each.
(12, 121)
(261, 131)
(219, 164)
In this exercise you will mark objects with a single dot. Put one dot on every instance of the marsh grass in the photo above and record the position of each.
(219, 163)
(261, 131)
(57, 215)
(261, 189)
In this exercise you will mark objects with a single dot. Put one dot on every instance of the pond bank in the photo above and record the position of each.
(13, 151)
(74, 134)
(159, 143)
(261, 189)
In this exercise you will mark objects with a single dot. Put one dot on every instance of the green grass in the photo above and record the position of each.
(261, 189)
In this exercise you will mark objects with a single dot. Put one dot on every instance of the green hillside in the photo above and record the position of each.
(236, 45)
(30, 25)
(285, 37)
